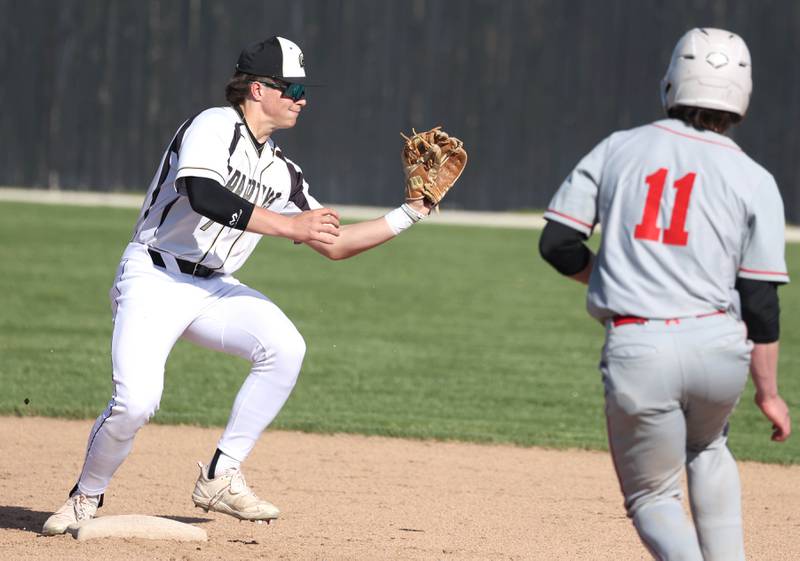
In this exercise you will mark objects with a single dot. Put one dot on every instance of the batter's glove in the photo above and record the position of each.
(432, 162)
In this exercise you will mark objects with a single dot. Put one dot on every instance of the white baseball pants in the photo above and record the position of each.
(670, 388)
(152, 309)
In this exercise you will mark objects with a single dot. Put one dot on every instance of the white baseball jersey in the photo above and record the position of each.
(215, 144)
(684, 212)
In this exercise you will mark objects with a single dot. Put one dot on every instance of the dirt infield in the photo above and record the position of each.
(359, 498)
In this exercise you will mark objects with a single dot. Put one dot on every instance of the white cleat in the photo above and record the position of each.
(228, 493)
(77, 508)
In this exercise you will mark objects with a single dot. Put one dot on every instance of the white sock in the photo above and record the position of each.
(223, 462)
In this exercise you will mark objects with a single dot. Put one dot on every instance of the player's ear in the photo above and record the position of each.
(257, 90)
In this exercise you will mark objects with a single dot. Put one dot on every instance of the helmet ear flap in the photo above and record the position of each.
(666, 86)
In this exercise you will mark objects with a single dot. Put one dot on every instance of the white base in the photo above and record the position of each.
(136, 526)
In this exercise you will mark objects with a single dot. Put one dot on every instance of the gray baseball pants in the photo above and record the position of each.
(670, 386)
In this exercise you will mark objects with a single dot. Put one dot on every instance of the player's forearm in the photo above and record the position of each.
(355, 238)
(764, 369)
(210, 199)
(269, 223)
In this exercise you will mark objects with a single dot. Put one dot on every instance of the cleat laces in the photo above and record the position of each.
(80, 504)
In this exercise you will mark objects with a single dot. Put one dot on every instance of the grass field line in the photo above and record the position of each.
(530, 221)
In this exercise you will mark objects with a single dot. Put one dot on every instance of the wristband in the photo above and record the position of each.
(402, 218)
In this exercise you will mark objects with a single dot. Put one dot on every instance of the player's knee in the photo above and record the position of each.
(294, 348)
(129, 416)
(282, 358)
(642, 503)
(287, 351)
(295, 352)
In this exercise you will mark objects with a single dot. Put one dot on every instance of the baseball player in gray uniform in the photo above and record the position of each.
(685, 282)
(221, 185)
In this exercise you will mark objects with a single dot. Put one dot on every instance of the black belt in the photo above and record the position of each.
(187, 267)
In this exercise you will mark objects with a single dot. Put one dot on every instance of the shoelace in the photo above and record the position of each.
(80, 504)
(237, 485)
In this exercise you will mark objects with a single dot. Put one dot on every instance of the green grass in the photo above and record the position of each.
(446, 332)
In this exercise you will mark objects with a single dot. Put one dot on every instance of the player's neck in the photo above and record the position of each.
(260, 126)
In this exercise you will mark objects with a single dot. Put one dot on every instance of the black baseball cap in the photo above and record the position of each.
(275, 56)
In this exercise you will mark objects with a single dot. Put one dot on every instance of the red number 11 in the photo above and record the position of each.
(675, 234)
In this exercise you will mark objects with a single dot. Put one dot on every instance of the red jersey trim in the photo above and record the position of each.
(693, 137)
(756, 272)
(584, 224)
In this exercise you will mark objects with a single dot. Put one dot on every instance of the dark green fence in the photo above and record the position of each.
(93, 89)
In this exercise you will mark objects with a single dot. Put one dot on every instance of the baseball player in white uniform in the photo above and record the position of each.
(685, 282)
(221, 185)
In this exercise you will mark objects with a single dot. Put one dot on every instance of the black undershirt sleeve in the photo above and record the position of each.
(563, 248)
(210, 199)
(760, 309)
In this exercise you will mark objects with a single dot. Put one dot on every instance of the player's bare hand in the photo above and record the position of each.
(775, 409)
(422, 206)
(321, 225)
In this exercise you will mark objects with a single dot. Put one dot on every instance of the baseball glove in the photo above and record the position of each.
(432, 162)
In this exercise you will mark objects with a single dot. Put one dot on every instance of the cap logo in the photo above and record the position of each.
(717, 60)
(300, 59)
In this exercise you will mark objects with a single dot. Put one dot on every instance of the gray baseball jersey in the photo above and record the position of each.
(684, 212)
(215, 144)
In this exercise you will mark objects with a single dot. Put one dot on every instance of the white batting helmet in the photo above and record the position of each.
(709, 68)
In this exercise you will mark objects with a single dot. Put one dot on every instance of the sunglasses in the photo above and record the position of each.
(295, 92)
